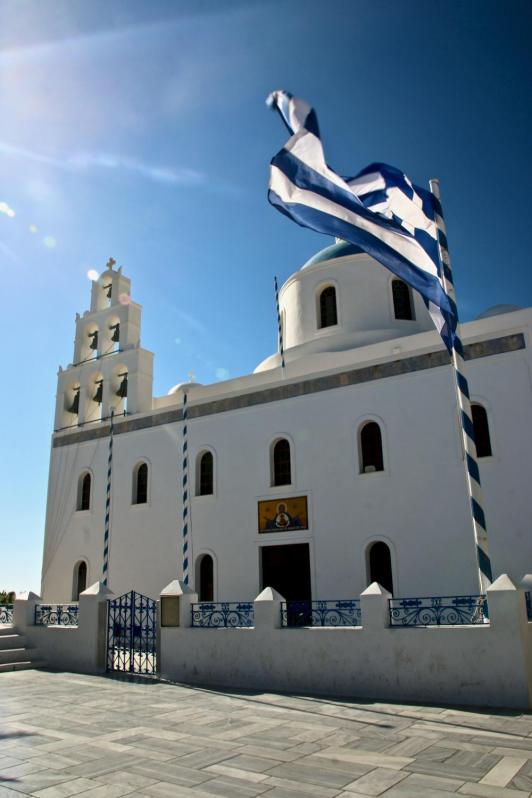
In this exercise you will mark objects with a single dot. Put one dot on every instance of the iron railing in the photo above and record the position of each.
(438, 611)
(216, 615)
(132, 634)
(528, 597)
(56, 614)
(6, 613)
(321, 613)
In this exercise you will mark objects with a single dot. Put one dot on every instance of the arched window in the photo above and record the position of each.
(281, 472)
(402, 300)
(328, 314)
(482, 430)
(370, 446)
(140, 484)
(206, 578)
(205, 475)
(84, 492)
(380, 565)
(80, 580)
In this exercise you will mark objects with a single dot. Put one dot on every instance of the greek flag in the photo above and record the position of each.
(379, 209)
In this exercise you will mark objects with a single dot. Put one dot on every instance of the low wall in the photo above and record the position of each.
(484, 664)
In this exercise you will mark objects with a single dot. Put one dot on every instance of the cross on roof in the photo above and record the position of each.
(110, 263)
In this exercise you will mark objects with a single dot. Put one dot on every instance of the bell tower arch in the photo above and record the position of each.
(110, 370)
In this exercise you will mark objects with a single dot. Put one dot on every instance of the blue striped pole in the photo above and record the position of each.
(279, 325)
(464, 403)
(185, 490)
(105, 571)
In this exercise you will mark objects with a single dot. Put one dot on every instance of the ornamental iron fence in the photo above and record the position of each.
(6, 613)
(217, 615)
(56, 614)
(321, 613)
(528, 597)
(439, 611)
(132, 634)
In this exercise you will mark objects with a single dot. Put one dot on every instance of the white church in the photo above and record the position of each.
(341, 468)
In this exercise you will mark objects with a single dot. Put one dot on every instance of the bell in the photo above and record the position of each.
(122, 389)
(74, 407)
(115, 337)
(109, 289)
(98, 396)
(94, 342)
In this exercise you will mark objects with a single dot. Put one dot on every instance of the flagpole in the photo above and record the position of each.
(105, 568)
(279, 327)
(464, 407)
(186, 520)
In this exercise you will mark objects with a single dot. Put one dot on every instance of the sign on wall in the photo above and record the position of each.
(283, 515)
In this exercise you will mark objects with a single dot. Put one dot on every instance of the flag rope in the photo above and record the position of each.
(105, 570)
(185, 490)
(279, 325)
(464, 404)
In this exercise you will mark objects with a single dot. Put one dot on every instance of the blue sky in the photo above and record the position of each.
(139, 130)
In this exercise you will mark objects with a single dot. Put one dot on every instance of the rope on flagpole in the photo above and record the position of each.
(279, 325)
(185, 490)
(464, 404)
(105, 570)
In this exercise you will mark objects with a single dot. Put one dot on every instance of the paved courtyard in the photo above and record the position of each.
(65, 734)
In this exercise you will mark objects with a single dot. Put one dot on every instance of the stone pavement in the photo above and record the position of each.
(67, 735)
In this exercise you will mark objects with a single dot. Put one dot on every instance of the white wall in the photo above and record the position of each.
(418, 504)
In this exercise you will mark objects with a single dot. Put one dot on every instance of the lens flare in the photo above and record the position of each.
(49, 242)
(92, 274)
(33, 228)
(9, 212)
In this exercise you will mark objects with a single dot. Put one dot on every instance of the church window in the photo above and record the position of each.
(205, 477)
(282, 471)
(80, 580)
(482, 430)
(140, 484)
(402, 301)
(380, 565)
(206, 578)
(84, 492)
(370, 447)
(327, 307)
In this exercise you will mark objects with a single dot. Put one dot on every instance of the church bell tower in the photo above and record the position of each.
(110, 371)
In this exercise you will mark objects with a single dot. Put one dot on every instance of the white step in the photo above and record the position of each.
(12, 641)
(6, 629)
(17, 666)
(13, 655)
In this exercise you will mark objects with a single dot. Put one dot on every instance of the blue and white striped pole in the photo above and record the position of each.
(105, 570)
(279, 325)
(185, 491)
(464, 404)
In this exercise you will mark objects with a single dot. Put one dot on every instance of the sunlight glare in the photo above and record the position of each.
(92, 274)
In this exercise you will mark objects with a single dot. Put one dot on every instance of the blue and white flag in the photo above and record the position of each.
(378, 210)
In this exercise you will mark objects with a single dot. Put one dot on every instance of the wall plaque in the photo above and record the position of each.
(283, 515)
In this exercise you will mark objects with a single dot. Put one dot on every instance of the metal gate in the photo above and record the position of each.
(132, 634)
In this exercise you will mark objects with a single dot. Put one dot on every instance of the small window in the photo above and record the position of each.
(80, 580)
(328, 314)
(206, 579)
(84, 492)
(482, 430)
(402, 301)
(206, 475)
(282, 472)
(370, 444)
(140, 484)
(380, 565)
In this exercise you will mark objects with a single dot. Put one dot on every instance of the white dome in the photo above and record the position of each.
(183, 386)
(364, 303)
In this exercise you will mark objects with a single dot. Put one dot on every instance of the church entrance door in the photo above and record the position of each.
(287, 570)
